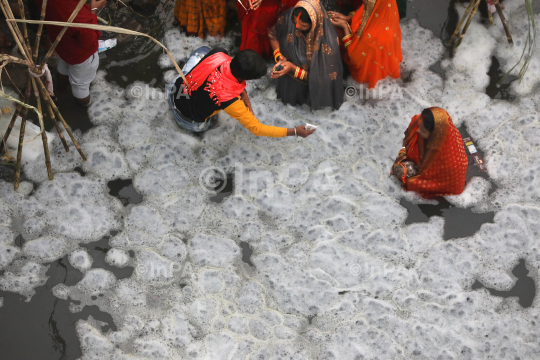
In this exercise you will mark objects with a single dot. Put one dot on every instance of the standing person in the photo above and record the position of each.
(217, 82)
(78, 49)
(198, 16)
(434, 144)
(306, 49)
(372, 41)
(257, 21)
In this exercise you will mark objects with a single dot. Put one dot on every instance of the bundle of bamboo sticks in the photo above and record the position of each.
(458, 35)
(36, 87)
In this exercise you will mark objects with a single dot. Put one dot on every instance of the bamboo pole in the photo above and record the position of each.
(43, 132)
(19, 39)
(16, 114)
(10, 127)
(458, 27)
(503, 20)
(53, 117)
(61, 34)
(466, 27)
(19, 150)
(40, 30)
(51, 102)
(25, 29)
(113, 29)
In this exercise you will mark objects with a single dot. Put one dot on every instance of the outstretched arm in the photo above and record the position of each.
(240, 112)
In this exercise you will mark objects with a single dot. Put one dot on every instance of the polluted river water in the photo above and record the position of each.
(303, 249)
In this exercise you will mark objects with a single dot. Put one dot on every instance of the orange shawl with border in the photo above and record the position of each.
(441, 159)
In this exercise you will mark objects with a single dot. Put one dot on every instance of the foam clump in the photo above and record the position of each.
(81, 260)
(23, 277)
(117, 257)
(45, 249)
(214, 251)
(475, 192)
(7, 254)
(181, 46)
(96, 280)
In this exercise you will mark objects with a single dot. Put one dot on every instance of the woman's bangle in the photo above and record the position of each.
(277, 54)
(95, 9)
(295, 134)
(347, 40)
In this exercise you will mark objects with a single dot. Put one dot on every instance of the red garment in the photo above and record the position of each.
(77, 45)
(442, 160)
(350, 4)
(222, 85)
(255, 24)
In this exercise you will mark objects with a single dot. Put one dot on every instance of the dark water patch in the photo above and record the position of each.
(502, 91)
(124, 191)
(75, 115)
(98, 250)
(19, 241)
(223, 187)
(247, 251)
(439, 16)
(458, 223)
(80, 171)
(7, 172)
(436, 68)
(44, 328)
(524, 289)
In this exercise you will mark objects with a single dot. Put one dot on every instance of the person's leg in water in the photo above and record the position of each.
(81, 76)
(62, 76)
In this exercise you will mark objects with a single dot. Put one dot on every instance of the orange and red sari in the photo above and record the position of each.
(255, 24)
(375, 52)
(441, 159)
(197, 16)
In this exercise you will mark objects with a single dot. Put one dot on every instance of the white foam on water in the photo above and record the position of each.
(117, 257)
(337, 274)
(80, 259)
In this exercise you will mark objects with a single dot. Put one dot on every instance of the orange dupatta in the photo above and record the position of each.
(441, 159)
(375, 52)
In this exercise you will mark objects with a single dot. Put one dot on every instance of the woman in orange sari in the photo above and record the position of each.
(435, 145)
(372, 41)
(257, 20)
(196, 16)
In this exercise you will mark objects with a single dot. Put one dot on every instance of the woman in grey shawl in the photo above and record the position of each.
(306, 48)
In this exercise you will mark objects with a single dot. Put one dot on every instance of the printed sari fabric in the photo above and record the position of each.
(200, 15)
(441, 159)
(256, 24)
(375, 52)
(317, 52)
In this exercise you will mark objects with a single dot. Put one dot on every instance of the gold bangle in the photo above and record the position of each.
(296, 72)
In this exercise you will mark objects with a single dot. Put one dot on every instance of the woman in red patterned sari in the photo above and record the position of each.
(434, 143)
(257, 20)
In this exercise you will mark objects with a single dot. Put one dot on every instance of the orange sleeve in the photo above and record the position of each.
(240, 112)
